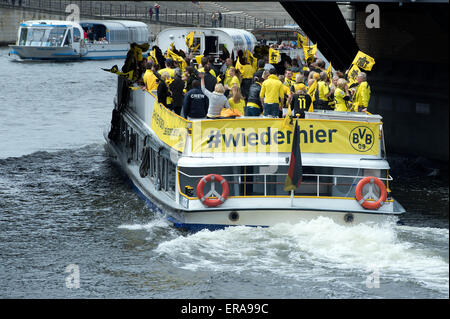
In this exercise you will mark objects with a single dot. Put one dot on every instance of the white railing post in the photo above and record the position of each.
(318, 186)
(265, 185)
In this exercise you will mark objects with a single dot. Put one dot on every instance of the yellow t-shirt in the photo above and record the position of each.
(168, 70)
(362, 96)
(247, 71)
(323, 89)
(237, 106)
(340, 105)
(272, 90)
(234, 80)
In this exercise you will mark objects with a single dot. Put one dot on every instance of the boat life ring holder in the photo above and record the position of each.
(363, 200)
(221, 198)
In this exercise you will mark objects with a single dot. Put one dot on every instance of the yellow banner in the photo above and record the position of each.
(271, 136)
(169, 127)
(364, 61)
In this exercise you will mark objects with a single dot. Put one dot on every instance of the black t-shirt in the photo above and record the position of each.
(300, 103)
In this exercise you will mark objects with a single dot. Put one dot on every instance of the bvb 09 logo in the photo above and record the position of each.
(362, 138)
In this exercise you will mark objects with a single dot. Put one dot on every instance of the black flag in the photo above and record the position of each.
(295, 171)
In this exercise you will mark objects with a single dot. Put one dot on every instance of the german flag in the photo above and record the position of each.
(295, 171)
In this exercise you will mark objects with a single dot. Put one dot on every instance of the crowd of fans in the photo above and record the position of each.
(198, 87)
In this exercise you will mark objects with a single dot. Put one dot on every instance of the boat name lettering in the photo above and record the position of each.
(272, 135)
(268, 136)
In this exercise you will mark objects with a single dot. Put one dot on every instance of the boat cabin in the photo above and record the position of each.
(48, 33)
(111, 31)
(210, 41)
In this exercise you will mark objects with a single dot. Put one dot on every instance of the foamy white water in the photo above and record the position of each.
(313, 249)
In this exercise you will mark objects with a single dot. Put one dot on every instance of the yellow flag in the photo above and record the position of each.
(330, 72)
(195, 48)
(274, 56)
(152, 57)
(310, 51)
(363, 61)
(312, 93)
(301, 40)
(115, 70)
(172, 46)
(239, 66)
(198, 59)
(189, 40)
(177, 58)
(352, 74)
(252, 60)
(287, 123)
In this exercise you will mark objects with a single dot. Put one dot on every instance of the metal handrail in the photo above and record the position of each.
(318, 176)
(104, 9)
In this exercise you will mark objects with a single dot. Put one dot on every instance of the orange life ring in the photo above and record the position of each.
(363, 200)
(221, 198)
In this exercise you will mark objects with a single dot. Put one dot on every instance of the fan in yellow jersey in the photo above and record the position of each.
(299, 78)
(322, 93)
(247, 72)
(362, 95)
(313, 78)
(234, 79)
(169, 68)
(287, 93)
(288, 78)
(225, 69)
(150, 79)
(342, 97)
(237, 101)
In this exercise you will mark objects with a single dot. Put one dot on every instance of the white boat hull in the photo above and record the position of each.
(218, 218)
(91, 52)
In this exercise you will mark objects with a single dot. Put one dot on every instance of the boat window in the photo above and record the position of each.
(118, 36)
(23, 36)
(42, 36)
(51, 36)
(68, 40)
(95, 32)
(211, 45)
(35, 36)
(76, 35)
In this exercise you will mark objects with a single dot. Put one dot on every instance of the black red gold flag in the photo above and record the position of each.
(295, 171)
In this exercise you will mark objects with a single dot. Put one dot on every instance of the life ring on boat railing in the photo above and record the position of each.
(363, 200)
(221, 198)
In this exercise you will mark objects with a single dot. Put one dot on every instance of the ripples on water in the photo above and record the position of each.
(64, 202)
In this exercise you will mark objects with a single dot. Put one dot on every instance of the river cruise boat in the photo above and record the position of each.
(222, 172)
(84, 40)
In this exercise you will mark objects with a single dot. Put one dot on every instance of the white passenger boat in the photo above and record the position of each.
(222, 172)
(85, 40)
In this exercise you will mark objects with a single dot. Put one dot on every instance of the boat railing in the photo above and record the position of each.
(241, 180)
